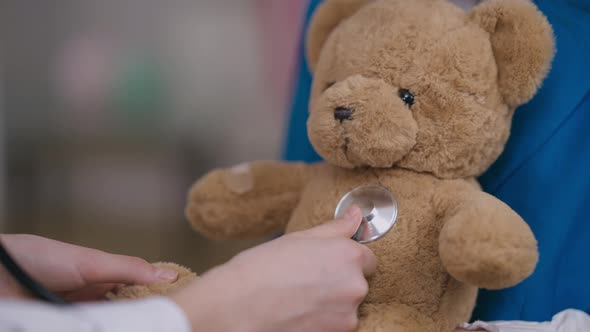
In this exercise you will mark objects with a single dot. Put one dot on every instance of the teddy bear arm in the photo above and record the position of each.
(483, 242)
(248, 200)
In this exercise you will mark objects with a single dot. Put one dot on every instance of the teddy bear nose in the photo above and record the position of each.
(342, 113)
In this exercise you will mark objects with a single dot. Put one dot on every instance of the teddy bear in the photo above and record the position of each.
(416, 97)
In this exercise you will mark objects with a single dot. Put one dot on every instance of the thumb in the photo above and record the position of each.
(344, 227)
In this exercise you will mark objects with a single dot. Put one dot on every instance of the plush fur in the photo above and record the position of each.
(467, 73)
(185, 276)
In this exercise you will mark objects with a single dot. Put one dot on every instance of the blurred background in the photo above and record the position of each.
(111, 109)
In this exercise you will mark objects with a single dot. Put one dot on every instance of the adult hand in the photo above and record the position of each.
(72, 272)
(312, 280)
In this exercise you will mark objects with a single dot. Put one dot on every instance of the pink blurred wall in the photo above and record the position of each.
(281, 23)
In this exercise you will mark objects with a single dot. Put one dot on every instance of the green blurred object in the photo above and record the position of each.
(140, 92)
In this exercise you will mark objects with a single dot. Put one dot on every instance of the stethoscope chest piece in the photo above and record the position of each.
(379, 209)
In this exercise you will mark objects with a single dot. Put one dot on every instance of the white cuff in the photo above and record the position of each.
(156, 314)
(565, 321)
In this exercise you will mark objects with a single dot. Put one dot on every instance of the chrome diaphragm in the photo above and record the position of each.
(379, 209)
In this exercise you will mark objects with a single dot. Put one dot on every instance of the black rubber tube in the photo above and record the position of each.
(26, 281)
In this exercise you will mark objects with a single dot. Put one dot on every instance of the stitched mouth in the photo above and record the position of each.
(345, 148)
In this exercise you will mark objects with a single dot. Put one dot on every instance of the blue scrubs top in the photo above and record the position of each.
(543, 174)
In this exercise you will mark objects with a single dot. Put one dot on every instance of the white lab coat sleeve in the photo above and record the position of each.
(158, 314)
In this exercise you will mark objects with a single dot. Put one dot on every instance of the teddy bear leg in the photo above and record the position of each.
(395, 317)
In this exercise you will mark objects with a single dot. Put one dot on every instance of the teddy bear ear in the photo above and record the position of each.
(523, 45)
(325, 19)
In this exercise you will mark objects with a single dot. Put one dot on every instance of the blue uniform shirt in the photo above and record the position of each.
(543, 174)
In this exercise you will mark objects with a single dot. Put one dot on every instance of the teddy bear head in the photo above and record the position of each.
(422, 84)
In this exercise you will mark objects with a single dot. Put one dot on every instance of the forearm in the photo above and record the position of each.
(155, 314)
(9, 288)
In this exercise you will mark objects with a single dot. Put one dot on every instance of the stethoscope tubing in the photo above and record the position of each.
(26, 281)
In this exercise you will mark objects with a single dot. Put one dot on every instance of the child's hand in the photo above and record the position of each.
(313, 280)
(75, 273)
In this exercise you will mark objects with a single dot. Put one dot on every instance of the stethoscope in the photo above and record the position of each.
(377, 203)
(26, 281)
(378, 206)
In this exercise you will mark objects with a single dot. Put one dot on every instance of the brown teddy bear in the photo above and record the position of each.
(417, 97)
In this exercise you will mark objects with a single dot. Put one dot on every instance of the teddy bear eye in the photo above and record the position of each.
(406, 96)
(329, 85)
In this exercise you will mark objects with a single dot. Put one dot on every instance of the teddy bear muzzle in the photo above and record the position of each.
(360, 122)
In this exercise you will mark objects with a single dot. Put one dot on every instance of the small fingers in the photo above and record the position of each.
(368, 260)
(99, 267)
(345, 227)
(94, 292)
